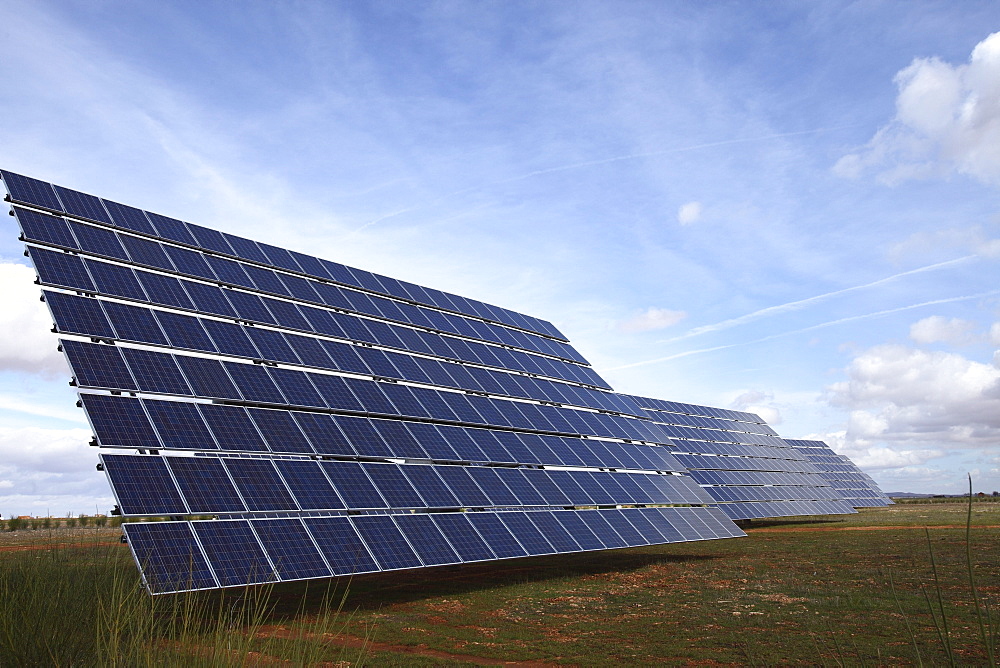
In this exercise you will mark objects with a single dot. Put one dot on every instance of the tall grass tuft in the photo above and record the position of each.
(84, 605)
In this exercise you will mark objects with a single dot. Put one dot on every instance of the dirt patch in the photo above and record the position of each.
(353, 642)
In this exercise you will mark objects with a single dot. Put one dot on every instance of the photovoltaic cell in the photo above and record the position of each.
(205, 485)
(526, 531)
(353, 486)
(179, 425)
(61, 269)
(143, 485)
(386, 542)
(134, 323)
(308, 485)
(462, 536)
(260, 485)
(234, 552)
(426, 539)
(232, 428)
(280, 430)
(496, 535)
(169, 556)
(78, 315)
(340, 544)
(290, 548)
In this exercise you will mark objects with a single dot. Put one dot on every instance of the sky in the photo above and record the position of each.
(787, 208)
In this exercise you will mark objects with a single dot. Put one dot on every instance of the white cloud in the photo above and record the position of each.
(689, 213)
(938, 329)
(995, 334)
(26, 343)
(917, 405)
(759, 402)
(947, 118)
(652, 318)
(50, 470)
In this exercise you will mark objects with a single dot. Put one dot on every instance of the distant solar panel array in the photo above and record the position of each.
(331, 420)
(742, 463)
(853, 484)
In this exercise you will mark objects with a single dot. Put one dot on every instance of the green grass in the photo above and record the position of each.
(832, 591)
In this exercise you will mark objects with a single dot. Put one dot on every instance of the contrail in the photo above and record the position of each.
(591, 163)
(821, 325)
(802, 303)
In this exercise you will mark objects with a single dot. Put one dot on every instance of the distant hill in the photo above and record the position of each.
(908, 495)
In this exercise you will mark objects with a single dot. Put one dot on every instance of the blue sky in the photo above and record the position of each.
(790, 208)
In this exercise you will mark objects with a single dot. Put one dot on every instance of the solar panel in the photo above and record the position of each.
(263, 387)
(856, 487)
(741, 464)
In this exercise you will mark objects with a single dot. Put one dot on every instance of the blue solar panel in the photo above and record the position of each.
(279, 430)
(119, 421)
(386, 542)
(363, 435)
(427, 540)
(184, 331)
(308, 485)
(249, 307)
(169, 556)
(134, 323)
(99, 241)
(115, 280)
(145, 252)
(354, 487)
(496, 535)
(290, 549)
(463, 486)
(297, 388)
(605, 532)
(272, 345)
(254, 383)
(430, 486)
(165, 290)
(462, 536)
(61, 269)
(30, 191)
(323, 433)
(401, 441)
(234, 552)
(207, 377)
(205, 485)
(44, 228)
(260, 485)
(78, 315)
(97, 365)
(527, 533)
(230, 339)
(489, 481)
(143, 485)
(572, 521)
(341, 545)
(393, 485)
(232, 428)
(179, 425)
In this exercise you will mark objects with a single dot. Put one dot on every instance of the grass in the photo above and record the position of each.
(849, 590)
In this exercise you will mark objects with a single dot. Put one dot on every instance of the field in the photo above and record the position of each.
(857, 590)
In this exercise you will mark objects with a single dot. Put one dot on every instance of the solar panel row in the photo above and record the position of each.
(75, 272)
(739, 469)
(680, 409)
(107, 367)
(758, 510)
(126, 422)
(854, 485)
(104, 319)
(149, 485)
(177, 556)
(33, 192)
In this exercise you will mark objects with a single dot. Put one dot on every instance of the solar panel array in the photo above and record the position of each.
(856, 486)
(742, 463)
(330, 420)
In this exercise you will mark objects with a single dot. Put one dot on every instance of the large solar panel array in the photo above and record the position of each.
(330, 420)
(742, 463)
(856, 486)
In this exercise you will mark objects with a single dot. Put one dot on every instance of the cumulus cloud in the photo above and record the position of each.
(651, 319)
(689, 213)
(50, 470)
(947, 118)
(25, 341)
(909, 406)
(938, 329)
